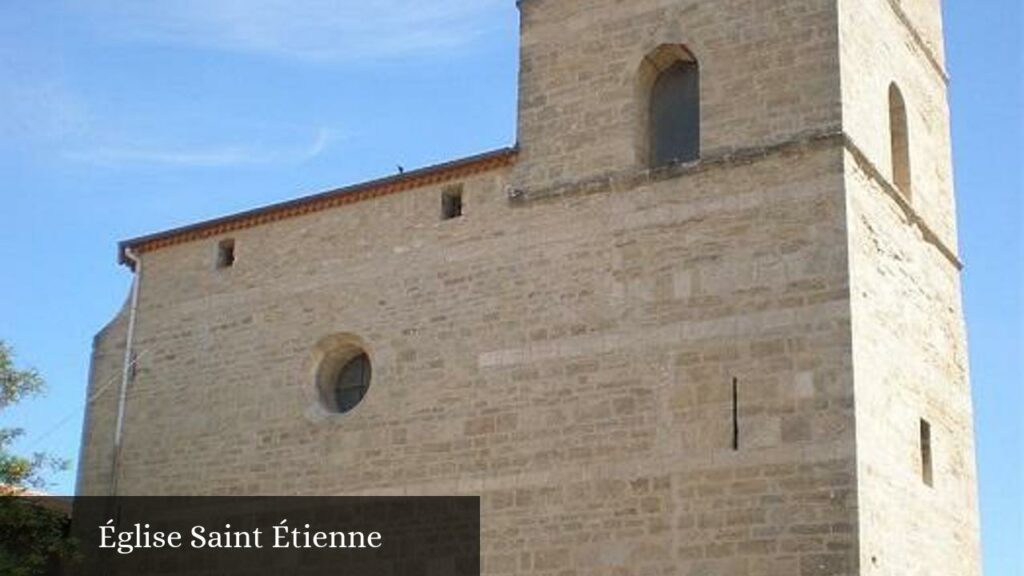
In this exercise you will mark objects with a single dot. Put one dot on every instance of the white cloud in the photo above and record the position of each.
(209, 157)
(316, 30)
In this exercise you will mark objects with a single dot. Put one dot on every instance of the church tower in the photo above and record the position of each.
(703, 320)
(840, 108)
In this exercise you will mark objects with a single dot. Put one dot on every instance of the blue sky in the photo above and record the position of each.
(122, 118)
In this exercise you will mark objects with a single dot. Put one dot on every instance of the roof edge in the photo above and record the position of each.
(429, 175)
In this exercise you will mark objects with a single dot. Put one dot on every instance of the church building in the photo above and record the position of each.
(703, 318)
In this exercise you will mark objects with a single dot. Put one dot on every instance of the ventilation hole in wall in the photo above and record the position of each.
(226, 253)
(451, 203)
(927, 472)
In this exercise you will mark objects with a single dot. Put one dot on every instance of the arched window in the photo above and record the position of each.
(899, 141)
(671, 77)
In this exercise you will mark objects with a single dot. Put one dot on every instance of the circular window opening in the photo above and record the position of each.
(343, 378)
(351, 383)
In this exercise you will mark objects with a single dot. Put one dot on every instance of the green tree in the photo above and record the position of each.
(19, 472)
(33, 534)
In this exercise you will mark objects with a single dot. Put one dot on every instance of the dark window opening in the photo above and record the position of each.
(226, 254)
(899, 134)
(735, 414)
(675, 115)
(451, 203)
(927, 472)
(351, 383)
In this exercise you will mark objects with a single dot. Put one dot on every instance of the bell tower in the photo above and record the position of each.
(862, 84)
(762, 73)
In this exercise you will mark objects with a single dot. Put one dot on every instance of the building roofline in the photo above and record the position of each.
(435, 174)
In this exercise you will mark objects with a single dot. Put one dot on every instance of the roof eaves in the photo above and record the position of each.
(435, 174)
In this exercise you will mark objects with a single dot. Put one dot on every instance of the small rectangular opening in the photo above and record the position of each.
(927, 473)
(451, 203)
(226, 253)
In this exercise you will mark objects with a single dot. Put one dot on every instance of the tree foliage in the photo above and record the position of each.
(16, 385)
(33, 535)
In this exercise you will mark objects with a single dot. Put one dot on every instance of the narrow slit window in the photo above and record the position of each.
(927, 470)
(899, 134)
(451, 203)
(226, 254)
(735, 414)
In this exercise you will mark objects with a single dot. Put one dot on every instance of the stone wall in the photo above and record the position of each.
(910, 361)
(878, 49)
(910, 353)
(96, 454)
(570, 359)
(925, 17)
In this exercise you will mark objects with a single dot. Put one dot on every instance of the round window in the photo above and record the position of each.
(350, 384)
(343, 372)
